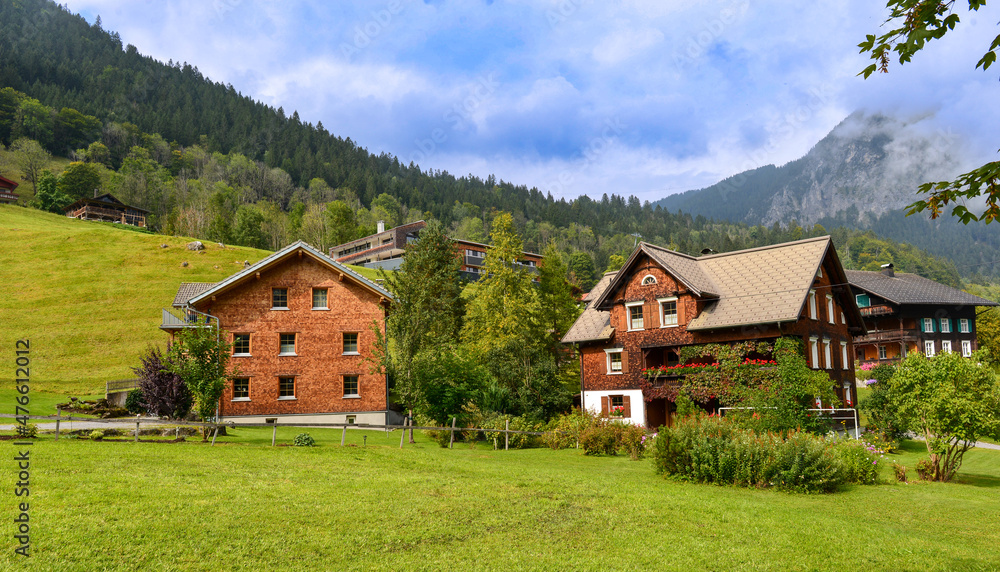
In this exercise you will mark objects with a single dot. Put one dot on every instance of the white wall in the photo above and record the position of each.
(592, 402)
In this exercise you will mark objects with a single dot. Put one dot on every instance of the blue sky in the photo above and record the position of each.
(574, 96)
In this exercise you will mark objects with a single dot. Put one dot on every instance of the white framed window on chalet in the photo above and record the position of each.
(668, 312)
(279, 298)
(286, 388)
(319, 299)
(351, 386)
(286, 345)
(946, 346)
(241, 345)
(813, 309)
(831, 316)
(882, 353)
(648, 280)
(616, 363)
(814, 352)
(241, 389)
(963, 325)
(843, 355)
(350, 343)
(634, 310)
(929, 348)
(827, 353)
(928, 325)
(966, 348)
(945, 325)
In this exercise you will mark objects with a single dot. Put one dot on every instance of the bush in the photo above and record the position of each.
(858, 461)
(26, 431)
(900, 472)
(97, 435)
(631, 440)
(304, 440)
(515, 440)
(564, 431)
(599, 440)
(804, 465)
(925, 470)
(882, 416)
(134, 402)
(163, 393)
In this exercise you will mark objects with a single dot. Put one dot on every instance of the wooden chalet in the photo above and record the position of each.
(108, 209)
(906, 313)
(7, 194)
(660, 301)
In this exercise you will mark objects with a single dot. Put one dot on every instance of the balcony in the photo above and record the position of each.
(174, 319)
(884, 336)
(880, 310)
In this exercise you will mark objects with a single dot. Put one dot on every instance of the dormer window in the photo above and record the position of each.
(648, 279)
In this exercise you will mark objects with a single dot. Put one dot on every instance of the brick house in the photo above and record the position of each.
(300, 325)
(386, 249)
(661, 301)
(906, 313)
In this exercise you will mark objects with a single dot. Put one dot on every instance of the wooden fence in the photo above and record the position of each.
(138, 421)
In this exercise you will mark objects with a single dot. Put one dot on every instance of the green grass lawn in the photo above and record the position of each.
(244, 505)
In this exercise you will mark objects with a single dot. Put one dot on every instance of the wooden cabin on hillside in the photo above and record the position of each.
(108, 209)
(7, 194)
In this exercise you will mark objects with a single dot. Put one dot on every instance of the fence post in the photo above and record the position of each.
(506, 432)
(402, 434)
(857, 425)
(58, 415)
(452, 444)
(215, 434)
(343, 436)
(274, 432)
(137, 428)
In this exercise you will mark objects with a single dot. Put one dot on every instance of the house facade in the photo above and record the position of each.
(7, 194)
(386, 249)
(300, 325)
(661, 301)
(906, 313)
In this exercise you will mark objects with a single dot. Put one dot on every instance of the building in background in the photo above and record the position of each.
(7, 194)
(108, 209)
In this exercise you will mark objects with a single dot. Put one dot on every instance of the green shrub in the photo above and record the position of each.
(630, 440)
(599, 440)
(522, 440)
(26, 431)
(565, 429)
(304, 440)
(925, 470)
(134, 402)
(899, 471)
(858, 461)
(97, 435)
(805, 465)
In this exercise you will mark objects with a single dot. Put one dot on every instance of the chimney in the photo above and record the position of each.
(381, 226)
(887, 269)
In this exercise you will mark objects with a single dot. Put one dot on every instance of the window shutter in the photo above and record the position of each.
(604, 364)
(922, 326)
(626, 402)
(624, 361)
(680, 311)
(605, 410)
(653, 312)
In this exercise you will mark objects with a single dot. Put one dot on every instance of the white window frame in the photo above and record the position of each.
(966, 348)
(249, 345)
(813, 306)
(964, 326)
(247, 398)
(828, 353)
(357, 388)
(357, 343)
(883, 352)
(663, 316)
(279, 308)
(945, 325)
(326, 295)
(295, 344)
(946, 346)
(648, 280)
(607, 356)
(814, 352)
(628, 317)
(831, 316)
(843, 355)
(929, 348)
(294, 388)
(928, 325)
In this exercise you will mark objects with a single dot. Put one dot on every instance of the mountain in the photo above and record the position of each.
(861, 175)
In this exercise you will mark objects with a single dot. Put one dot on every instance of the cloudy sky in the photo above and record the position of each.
(644, 97)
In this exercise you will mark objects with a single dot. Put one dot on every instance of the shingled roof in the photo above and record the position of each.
(189, 290)
(903, 288)
(593, 325)
(763, 285)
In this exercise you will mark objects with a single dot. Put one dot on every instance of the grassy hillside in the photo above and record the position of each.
(88, 295)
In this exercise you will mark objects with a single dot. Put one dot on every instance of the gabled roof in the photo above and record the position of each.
(593, 324)
(6, 183)
(106, 200)
(763, 285)
(281, 255)
(904, 288)
(188, 290)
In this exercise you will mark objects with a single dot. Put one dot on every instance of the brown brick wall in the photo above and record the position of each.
(319, 365)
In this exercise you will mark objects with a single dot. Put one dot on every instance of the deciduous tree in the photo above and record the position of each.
(200, 356)
(30, 158)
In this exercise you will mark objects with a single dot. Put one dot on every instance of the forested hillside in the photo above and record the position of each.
(210, 162)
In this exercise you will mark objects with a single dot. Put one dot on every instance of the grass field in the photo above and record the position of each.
(89, 295)
(244, 505)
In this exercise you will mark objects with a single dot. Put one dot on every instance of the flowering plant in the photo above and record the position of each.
(867, 366)
(679, 369)
(618, 411)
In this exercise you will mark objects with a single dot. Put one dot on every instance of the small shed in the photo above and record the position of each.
(107, 208)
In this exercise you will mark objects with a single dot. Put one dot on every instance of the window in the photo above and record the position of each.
(668, 312)
(635, 316)
(863, 300)
(843, 320)
(814, 349)
(946, 346)
(649, 279)
(241, 389)
(286, 388)
(928, 325)
(319, 299)
(843, 355)
(351, 343)
(945, 325)
(279, 298)
(882, 353)
(963, 325)
(831, 316)
(350, 386)
(828, 354)
(614, 364)
(847, 394)
(966, 348)
(616, 401)
(241, 344)
(352, 419)
(929, 348)
(287, 345)
(813, 310)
